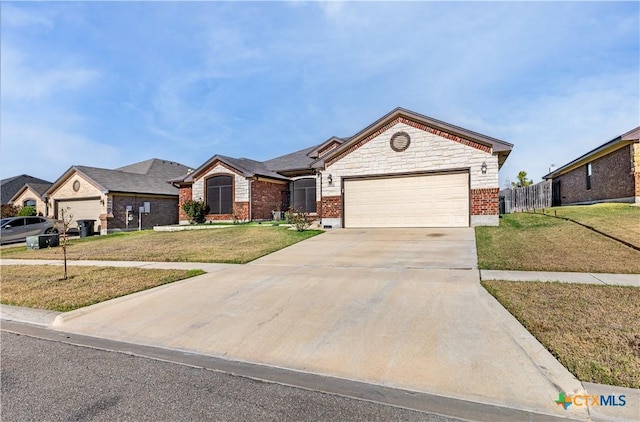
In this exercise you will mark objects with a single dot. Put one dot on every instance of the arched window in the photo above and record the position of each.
(219, 196)
(304, 195)
(29, 203)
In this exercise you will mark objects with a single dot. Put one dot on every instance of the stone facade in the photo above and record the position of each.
(613, 178)
(429, 151)
(30, 195)
(240, 183)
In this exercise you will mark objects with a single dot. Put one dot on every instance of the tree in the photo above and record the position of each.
(522, 180)
(27, 211)
(8, 210)
(65, 221)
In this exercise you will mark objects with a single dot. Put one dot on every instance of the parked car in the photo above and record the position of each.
(16, 229)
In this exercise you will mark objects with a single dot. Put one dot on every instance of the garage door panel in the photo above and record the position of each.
(81, 210)
(416, 201)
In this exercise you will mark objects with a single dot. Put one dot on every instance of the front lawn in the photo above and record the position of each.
(533, 242)
(41, 286)
(618, 220)
(594, 331)
(236, 245)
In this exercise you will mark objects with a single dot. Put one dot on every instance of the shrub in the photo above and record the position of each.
(27, 211)
(299, 219)
(8, 210)
(196, 210)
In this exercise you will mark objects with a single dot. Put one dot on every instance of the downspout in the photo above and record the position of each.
(321, 210)
(250, 208)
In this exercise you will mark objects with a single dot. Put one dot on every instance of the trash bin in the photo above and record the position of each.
(43, 241)
(85, 227)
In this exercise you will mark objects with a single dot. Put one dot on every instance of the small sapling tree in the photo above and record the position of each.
(63, 226)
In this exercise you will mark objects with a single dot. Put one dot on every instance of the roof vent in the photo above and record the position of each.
(400, 141)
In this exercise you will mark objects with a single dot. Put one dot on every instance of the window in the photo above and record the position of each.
(304, 195)
(220, 194)
(29, 203)
(589, 173)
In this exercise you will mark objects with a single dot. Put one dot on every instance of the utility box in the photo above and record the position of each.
(43, 241)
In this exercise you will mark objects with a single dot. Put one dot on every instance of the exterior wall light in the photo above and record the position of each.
(330, 179)
(483, 167)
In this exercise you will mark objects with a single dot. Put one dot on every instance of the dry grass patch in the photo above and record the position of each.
(594, 331)
(533, 242)
(41, 286)
(235, 245)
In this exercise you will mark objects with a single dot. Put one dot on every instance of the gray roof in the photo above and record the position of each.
(307, 159)
(11, 185)
(146, 177)
(627, 138)
(293, 161)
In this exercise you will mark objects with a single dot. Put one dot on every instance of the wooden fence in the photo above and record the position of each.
(526, 198)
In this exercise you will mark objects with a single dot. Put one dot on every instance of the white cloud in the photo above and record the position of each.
(23, 81)
(16, 17)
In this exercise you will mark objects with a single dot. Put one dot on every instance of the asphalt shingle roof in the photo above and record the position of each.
(145, 177)
(11, 185)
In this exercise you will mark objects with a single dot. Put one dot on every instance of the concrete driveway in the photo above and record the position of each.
(394, 307)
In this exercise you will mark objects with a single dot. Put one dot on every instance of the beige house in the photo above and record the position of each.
(32, 195)
(403, 170)
(122, 199)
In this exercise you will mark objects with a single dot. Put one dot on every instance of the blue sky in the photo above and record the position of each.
(107, 84)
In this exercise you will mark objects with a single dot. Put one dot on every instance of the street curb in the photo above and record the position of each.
(420, 401)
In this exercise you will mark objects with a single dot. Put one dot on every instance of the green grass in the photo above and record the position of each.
(594, 331)
(618, 220)
(42, 287)
(236, 245)
(533, 242)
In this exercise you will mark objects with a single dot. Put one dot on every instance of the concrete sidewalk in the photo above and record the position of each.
(563, 277)
(204, 266)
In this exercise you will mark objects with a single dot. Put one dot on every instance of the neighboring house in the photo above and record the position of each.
(609, 173)
(403, 170)
(32, 194)
(9, 187)
(113, 198)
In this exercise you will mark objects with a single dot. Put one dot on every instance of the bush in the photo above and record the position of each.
(196, 210)
(27, 211)
(7, 210)
(299, 219)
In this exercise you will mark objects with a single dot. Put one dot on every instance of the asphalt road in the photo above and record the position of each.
(44, 380)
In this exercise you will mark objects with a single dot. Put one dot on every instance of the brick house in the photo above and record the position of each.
(119, 199)
(403, 170)
(609, 173)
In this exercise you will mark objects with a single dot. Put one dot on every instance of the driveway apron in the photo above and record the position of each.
(395, 307)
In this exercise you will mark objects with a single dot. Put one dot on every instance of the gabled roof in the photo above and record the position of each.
(38, 188)
(307, 160)
(244, 166)
(630, 137)
(501, 148)
(11, 185)
(146, 177)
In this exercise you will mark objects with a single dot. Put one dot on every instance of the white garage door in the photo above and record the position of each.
(81, 210)
(437, 200)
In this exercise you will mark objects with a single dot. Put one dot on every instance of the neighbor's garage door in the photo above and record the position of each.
(436, 200)
(81, 210)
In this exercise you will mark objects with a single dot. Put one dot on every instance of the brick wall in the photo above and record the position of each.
(164, 211)
(612, 177)
(265, 197)
(241, 209)
(331, 206)
(184, 196)
(484, 201)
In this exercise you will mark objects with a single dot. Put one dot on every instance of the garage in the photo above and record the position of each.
(421, 200)
(88, 209)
